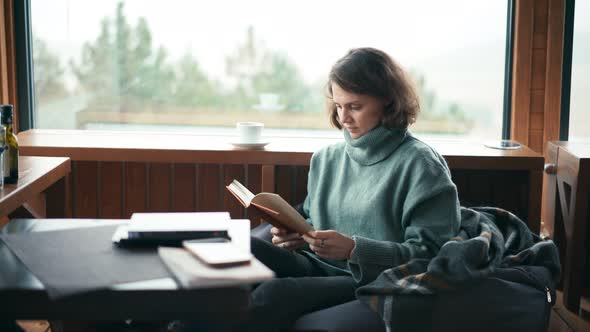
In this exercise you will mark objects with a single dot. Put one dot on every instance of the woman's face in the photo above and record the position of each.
(357, 113)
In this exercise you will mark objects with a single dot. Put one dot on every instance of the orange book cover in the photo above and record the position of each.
(282, 214)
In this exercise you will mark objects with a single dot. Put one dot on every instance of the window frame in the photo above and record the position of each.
(566, 72)
(25, 70)
(24, 64)
(508, 64)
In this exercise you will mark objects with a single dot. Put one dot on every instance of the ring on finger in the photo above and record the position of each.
(322, 243)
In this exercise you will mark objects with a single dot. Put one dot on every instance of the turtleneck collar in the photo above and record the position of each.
(374, 146)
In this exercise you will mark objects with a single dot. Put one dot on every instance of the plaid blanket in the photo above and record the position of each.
(489, 238)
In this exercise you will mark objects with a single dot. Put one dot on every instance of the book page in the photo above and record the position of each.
(242, 193)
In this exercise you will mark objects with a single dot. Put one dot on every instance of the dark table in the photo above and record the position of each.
(24, 297)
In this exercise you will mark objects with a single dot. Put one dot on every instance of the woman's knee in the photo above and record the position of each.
(258, 246)
(275, 292)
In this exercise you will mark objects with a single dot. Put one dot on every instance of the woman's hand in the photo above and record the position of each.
(284, 239)
(330, 244)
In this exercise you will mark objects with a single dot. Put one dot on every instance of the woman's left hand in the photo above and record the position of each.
(330, 244)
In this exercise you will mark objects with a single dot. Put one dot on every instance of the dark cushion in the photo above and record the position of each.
(510, 300)
(350, 316)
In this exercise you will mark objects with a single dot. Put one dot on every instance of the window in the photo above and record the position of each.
(184, 65)
(579, 98)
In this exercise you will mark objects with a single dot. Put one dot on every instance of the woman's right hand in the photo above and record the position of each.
(284, 239)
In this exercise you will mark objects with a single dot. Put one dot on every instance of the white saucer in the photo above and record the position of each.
(259, 145)
(502, 145)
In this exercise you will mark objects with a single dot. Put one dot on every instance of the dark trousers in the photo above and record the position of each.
(301, 287)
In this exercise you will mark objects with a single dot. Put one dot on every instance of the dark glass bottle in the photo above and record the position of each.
(11, 147)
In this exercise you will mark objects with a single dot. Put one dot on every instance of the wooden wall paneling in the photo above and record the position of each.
(537, 104)
(498, 183)
(110, 175)
(537, 121)
(485, 193)
(254, 178)
(573, 183)
(474, 188)
(460, 181)
(210, 188)
(536, 139)
(8, 86)
(3, 55)
(516, 188)
(586, 285)
(230, 173)
(504, 189)
(552, 106)
(521, 71)
(268, 178)
(538, 57)
(301, 173)
(541, 10)
(285, 182)
(522, 199)
(534, 193)
(160, 187)
(11, 58)
(136, 188)
(254, 183)
(184, 184)
(554, 63)
(550, 197)
(58, 199)
(538, 69)
(86, 187)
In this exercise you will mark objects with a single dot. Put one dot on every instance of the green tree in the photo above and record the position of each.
(192, 87)
(121, 67)
(49, 73)
(433, 110)
(242, 66)
(256, 70)
(427, 97)
(282, 77)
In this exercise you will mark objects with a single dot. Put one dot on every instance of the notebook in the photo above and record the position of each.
(170, 229)
(190, 272)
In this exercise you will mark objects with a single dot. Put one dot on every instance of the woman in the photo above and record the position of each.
(377, 200)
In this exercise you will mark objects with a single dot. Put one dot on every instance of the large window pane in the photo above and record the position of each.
(579, 129)
(186, 65)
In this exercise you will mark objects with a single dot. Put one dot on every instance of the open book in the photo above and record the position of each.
(282, 214)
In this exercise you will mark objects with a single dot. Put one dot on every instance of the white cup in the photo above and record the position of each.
(249, 132)
(269, 99)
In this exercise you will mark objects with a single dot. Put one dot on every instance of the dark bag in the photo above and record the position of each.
(511, 299)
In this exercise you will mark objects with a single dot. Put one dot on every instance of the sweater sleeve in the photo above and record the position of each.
(304, 210)
(430, 217)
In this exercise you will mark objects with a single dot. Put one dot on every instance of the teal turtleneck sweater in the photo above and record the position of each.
(387, 190)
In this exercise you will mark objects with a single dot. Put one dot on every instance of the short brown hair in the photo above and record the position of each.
(372, 72)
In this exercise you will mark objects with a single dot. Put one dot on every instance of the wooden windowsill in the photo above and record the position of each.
(192, 148)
